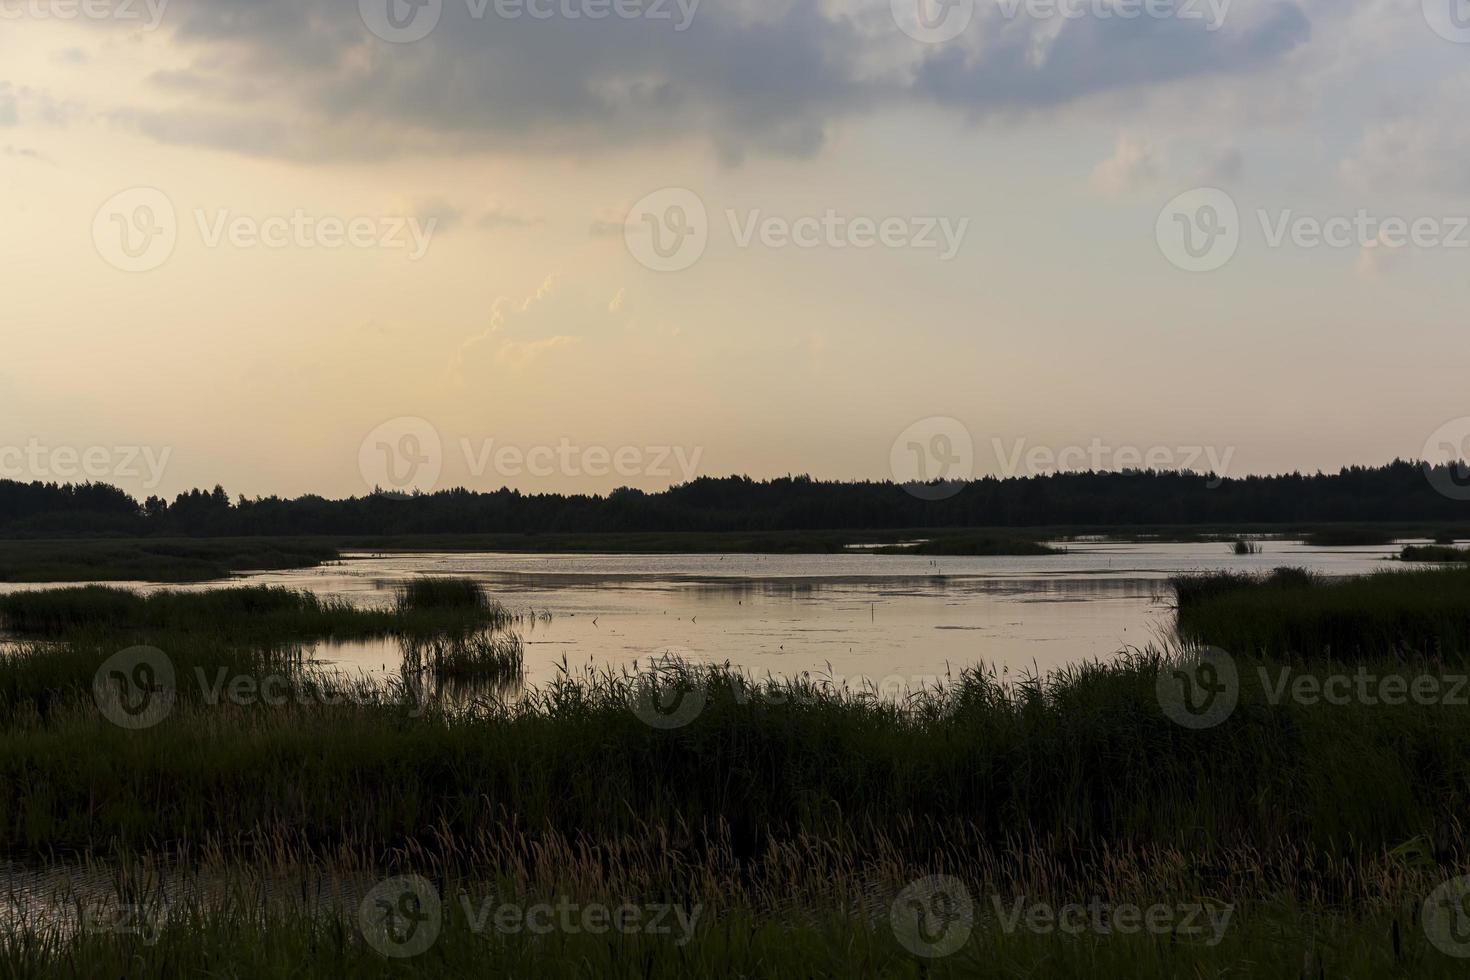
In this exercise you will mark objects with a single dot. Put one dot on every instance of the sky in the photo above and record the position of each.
(318, 246)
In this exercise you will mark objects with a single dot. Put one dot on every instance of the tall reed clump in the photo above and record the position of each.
(1293, 613)
(486, 655)
(1243, 547)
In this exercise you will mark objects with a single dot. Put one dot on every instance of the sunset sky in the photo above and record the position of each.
(535, 157)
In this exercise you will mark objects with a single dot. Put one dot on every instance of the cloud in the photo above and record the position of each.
(768, 78)
(1410, 154)
(1133, 164)
(520, 333)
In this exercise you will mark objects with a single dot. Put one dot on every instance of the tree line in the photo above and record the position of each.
(1398, 491)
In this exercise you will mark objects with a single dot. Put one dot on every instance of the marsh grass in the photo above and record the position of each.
(420, 594)
(484, 655)
(1434, 553)
(807, 911)
(1243, 547)
(155, 559)
(1084, 755)
(1291, 613)
(247, 612)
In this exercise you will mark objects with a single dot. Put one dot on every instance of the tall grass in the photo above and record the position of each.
(1434, 553)
(1085, 755)
(155, 559)
(440, 593)
(1292, 613)
(247, 612)
(486, 655)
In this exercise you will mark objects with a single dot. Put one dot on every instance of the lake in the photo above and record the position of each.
(893, 619)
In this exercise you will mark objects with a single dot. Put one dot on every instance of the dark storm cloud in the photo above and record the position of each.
(768, 82)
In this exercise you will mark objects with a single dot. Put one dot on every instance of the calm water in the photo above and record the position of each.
(890, 617)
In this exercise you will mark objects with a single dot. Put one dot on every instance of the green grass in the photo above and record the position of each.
(1290, 613)
(156, 559)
